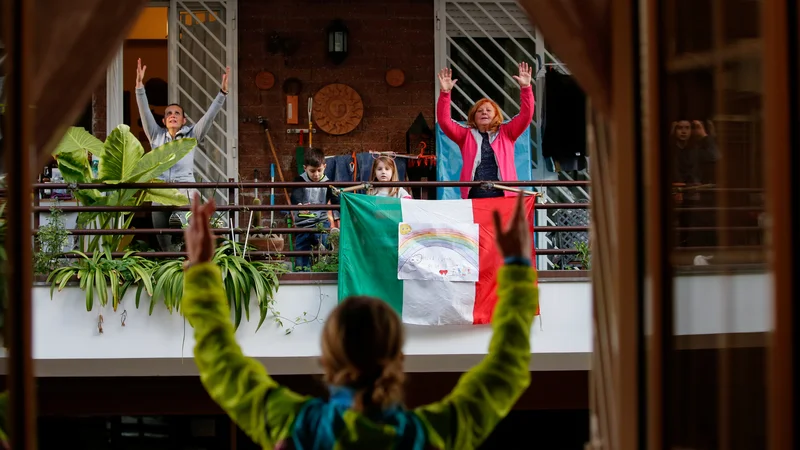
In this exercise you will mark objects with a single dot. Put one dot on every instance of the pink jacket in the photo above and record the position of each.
(503, 144)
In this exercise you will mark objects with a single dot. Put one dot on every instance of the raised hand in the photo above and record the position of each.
(225, 77)
(515, 239)
(699, 129)
(198, 236)
(525, 75)
(140, 73)
(446, 81)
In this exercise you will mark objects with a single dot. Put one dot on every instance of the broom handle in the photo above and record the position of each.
(310, 123)
(277, 163)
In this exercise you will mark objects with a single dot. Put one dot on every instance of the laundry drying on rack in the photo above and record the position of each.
(358, 166)
(340, 167)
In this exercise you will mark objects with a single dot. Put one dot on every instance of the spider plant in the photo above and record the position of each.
(100, 274)
(241, 277)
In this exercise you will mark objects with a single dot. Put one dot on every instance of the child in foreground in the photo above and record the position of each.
(385, 169)
(362, 357)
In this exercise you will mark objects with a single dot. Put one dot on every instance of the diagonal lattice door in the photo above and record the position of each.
(203, 43)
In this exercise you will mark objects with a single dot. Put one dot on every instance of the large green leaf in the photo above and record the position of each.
(72, 154)
(90, 197)
(161, 159)
(122, 154)
(172, 197)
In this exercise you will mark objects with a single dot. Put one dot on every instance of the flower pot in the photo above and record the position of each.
(267, 244)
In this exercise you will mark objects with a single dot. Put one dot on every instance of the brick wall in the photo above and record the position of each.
(383, 34)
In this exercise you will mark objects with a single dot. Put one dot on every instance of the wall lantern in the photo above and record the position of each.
(337, 41)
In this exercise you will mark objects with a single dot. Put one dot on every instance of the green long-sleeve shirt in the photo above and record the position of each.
(273, 415)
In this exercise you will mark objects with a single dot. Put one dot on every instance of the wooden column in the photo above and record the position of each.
(782, 161)
(20, 151)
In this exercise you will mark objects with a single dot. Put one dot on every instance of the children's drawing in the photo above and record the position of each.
(438, 251)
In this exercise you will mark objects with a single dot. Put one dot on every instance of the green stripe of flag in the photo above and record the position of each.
(368, 248)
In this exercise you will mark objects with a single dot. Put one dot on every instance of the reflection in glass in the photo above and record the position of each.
(711, 105)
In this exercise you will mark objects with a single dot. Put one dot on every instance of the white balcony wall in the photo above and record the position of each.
(67, 341)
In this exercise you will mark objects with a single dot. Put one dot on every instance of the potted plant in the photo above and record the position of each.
(121, 160)
(263, 239)
(584, 255)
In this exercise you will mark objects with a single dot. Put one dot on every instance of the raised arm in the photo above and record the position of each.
(519, 123)
(452, 129)
(262, 408)
(202, 126)
(151, 127)
(486, 394)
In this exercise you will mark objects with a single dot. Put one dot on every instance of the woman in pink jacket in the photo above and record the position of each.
(486, 143)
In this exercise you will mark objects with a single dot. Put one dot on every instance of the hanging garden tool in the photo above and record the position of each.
(272, 195)
(256, 201)
(310, 124)
(299, 153)
(265, 124)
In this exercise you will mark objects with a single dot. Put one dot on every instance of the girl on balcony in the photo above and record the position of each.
(362, 356)
(384, 169)
(486, 143)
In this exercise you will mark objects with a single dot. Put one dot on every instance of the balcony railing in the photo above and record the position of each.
(234, 193)
(549, 254)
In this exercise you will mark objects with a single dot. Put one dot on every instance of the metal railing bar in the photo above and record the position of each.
(252, 231)
(247, 208)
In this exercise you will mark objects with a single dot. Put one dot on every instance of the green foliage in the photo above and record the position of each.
(240, 276)
(100, 273)
(328, 262)
(121, 160)
(584, 255)
(52, 238)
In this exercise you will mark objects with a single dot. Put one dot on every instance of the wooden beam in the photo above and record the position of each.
(75, 42)
(779, 21)
(625, 164)
(657, 212)
(19, 35)
(99, 396)
(579, 33)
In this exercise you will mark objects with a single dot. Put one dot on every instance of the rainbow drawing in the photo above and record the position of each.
(460, 238)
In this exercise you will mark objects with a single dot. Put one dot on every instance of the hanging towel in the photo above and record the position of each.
(339, 168)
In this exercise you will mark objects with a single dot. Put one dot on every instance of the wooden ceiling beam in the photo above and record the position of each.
(578, 31)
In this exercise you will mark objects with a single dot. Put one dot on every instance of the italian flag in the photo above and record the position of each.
(434, 261)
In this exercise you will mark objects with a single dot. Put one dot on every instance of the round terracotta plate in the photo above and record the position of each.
(395, 77)
(337, 109)
(265, 80)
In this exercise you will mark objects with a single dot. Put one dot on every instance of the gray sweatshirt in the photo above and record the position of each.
(183, 171)
(313, 196)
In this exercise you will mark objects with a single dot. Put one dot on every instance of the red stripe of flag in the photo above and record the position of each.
(489, 259)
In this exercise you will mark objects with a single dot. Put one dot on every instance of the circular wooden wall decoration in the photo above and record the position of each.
(265, 80)
(337, 109)
(395, 77)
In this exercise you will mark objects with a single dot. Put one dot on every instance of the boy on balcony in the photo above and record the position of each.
(314, 172)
